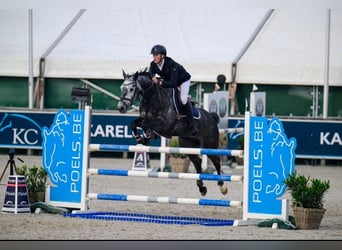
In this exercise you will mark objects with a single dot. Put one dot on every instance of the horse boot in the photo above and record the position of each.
(189, 118)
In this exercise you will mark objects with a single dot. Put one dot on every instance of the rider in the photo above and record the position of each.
(170, 74)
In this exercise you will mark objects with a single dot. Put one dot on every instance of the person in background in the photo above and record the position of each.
(221, 80)
(169, 74)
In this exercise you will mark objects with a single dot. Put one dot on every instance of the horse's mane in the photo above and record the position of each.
(143, 79)
(141, 72)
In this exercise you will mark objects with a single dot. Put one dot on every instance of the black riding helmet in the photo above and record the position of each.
(158, 49)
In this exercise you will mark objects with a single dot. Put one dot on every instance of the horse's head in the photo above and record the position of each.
(133, 85)
(129, 92)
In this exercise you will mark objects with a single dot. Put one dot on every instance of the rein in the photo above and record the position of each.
(139, 91)
(159, 88)
(150, 87)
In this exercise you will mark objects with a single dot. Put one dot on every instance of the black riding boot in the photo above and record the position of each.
(189, 118)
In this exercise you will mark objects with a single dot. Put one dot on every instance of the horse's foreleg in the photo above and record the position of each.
(197, 161)
(134, 126)
(216, 161)
(150, 134)
(139, 122)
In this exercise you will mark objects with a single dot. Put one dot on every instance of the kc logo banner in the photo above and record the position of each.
(272, 159)
(21, 130)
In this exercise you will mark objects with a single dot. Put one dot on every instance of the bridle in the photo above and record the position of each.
(124, 99)
(138, 91)
(144, 92)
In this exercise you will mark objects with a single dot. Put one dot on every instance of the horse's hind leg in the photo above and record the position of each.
(197, 161)
(216, 161)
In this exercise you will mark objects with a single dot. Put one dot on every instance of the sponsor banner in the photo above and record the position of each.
(258, 103)
(110, 129)
(271, 160)
(315, 138)
(217, 102)
(62, 155)
(23, 129)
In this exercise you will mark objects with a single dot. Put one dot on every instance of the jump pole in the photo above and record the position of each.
(167, 175)
(169, 150)
(163, 161)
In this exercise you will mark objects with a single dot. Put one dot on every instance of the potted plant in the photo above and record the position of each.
(36, 178)
(179, 162)
(307, 199)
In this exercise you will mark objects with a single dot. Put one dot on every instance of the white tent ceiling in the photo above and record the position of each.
(103, 42)
(14, 39)
(290, 49)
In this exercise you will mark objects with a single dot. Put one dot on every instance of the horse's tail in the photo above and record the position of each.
(215, 117)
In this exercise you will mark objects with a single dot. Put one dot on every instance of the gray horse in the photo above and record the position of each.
(157, 113)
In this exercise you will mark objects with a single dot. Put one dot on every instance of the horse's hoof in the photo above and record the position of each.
(203, 191)
(224, 189)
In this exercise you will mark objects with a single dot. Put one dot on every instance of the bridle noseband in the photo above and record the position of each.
(124, 99)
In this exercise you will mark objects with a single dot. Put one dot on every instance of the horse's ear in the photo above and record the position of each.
(136, 75)
(124, 74)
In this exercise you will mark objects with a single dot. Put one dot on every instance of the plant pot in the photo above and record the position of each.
(36, 196)
(179, 165)
(308, 218)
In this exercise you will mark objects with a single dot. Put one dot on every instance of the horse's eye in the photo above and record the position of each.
(131, 89)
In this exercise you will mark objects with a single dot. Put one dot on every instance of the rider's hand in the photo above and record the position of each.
(156, 80)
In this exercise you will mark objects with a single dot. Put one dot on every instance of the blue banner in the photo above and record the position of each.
(271, 160)
(315, 138)
(23, 129)
(62, 155)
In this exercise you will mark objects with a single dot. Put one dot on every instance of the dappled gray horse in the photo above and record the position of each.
(158, 113)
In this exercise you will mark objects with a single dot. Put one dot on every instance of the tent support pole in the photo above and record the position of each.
(30, 82)
(232, 88)
(47, 52)
(327, 62)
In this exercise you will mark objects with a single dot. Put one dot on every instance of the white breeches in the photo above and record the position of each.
(184, 91)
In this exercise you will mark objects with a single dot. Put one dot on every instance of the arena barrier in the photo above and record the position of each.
(70, 185)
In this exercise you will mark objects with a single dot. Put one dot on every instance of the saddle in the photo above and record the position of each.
(178, 106)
